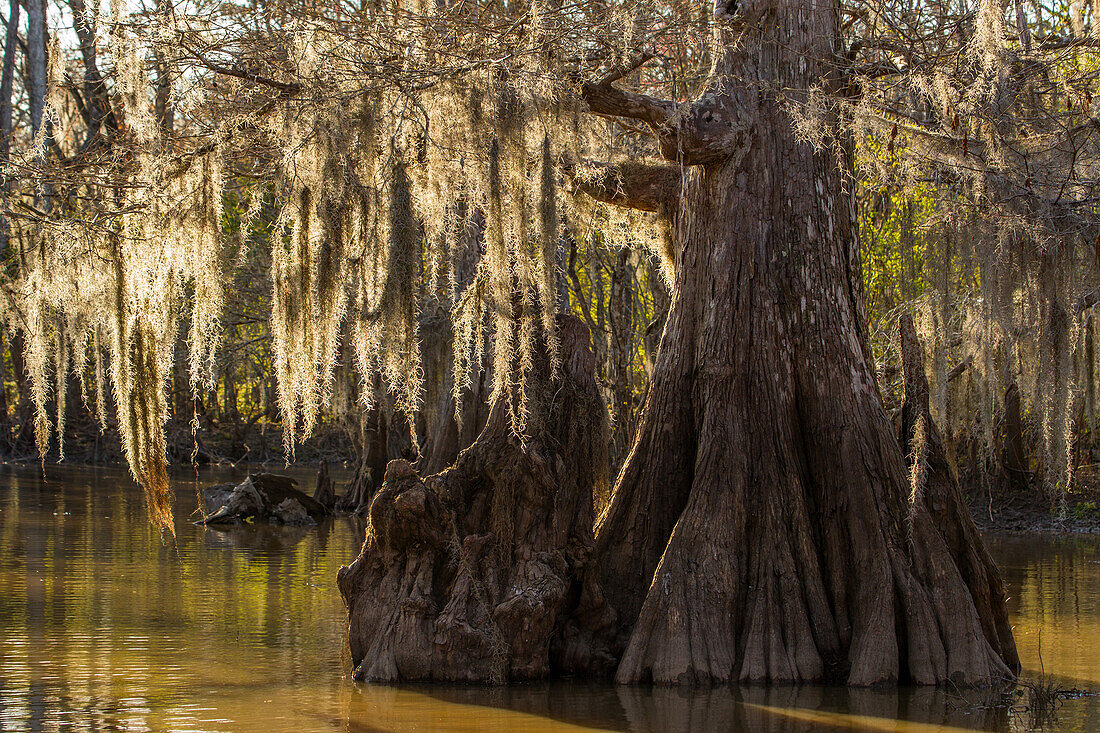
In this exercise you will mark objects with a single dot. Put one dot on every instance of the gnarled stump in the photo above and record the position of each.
(481, 572)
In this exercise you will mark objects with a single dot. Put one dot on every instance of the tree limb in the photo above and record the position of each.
(287, 88)
(707, 130)
(1088, 300)
(609, 101)
(99, 112)
(959, 368)
(644, 185)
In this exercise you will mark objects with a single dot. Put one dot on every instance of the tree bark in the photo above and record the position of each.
(482, 572)
(372, 450)
(937, 509)
(7, 81)
(37, 39)
(760, 528)
(1014, 460)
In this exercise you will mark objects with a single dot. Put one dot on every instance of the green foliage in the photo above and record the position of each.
(1086, 510)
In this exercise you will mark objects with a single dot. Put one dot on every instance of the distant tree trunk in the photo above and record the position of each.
(759, 528)
(372, 452)
(23, 430)
(37, 39)
(165, 111)
(324, 493)
(1090, 386)
(7, 81)
(183, 402)
(230, 396)
(271, 399)
(212, 406)
(1013, 452)
(481, 572)
(653, 329)
(5, 424)
(620, 323)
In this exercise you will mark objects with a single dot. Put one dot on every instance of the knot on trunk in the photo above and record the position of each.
(405, 514)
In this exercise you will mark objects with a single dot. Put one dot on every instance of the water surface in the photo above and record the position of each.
(103, 628)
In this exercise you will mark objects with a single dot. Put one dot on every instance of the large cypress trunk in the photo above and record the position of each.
(761, 528)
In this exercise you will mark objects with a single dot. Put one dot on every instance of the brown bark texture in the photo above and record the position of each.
(937, 509)
(760, 530)
(483, 572)
(373, 450)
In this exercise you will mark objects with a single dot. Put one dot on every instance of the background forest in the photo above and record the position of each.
(998, 266)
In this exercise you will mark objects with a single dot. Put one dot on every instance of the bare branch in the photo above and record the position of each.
(707, 130)
(289, 89)
(959, 368)
(644, 185)
(610, 101)
(622, 70)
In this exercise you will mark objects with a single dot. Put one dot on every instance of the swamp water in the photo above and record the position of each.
(104, 628)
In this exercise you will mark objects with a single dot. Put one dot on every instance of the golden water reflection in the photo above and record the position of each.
(104, 628)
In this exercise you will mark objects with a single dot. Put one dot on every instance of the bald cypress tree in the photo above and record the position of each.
(765, 525)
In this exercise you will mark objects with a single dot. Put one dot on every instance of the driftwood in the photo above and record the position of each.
(261, 496)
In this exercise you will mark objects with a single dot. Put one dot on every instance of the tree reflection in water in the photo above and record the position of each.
(242, 629)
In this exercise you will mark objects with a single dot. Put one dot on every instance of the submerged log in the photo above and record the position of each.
(482, 573)
(261, 496)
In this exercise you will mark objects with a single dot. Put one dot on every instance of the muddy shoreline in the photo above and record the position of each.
(1078, 516)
